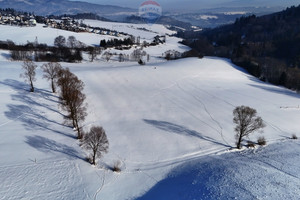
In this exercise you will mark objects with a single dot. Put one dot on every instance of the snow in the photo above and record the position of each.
(143, 30)
(235, 13)
(168, 123)
(22, 35)
(262, 173)
(207, 17)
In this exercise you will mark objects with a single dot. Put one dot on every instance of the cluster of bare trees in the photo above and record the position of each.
(71, 42)
(172, 55)
(138, 55)
(72, 101)
(72, 98)
(70, 90)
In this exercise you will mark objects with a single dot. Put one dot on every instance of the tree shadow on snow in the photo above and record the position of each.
(277, 89)
(6, 55)
(31, 119)
(28, 111)
(22, 87)
(174, 128)
(45, 145)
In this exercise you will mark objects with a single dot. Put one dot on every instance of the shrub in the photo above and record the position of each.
(117, 166)
(250, 144)
(141, 62)
(294, 137)
(261, 141)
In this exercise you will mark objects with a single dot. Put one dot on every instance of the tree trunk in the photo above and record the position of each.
(238, 145)
(53, 86)
(94, 158)
(79, 135)
(32, 88)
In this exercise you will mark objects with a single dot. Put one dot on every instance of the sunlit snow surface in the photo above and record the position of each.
(169, 123)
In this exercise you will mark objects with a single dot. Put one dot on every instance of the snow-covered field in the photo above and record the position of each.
(22, 35)
(144, 31)
(168, 123)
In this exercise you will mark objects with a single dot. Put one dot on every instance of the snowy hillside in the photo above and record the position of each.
(20, 35)
(169, 124)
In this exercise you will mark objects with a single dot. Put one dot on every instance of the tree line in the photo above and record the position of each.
(72, 101)
(62, 51)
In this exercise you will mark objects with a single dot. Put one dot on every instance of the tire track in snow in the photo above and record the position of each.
(206, 110)
(101, 186)
(104, 179)
(276, 128)
(214, 96)
(42, 180)
(190, 113)
(148, 165)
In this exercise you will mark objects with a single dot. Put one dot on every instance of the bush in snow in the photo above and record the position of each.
(294, 137)
(117, 166)
(96, 141)
(141, 62)
(261, 141)
(250, 144)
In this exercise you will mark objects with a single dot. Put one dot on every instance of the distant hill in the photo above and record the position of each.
(214, 17)
(165, 20)
(267, 46)
(59, 7)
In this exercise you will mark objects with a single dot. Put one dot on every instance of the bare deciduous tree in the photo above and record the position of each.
(72, 42)
(51, 71)
(60, 41)
(96, 141)
(72, 98)
(138, 54)
(93, 53)
(29, 73)
(107, 55)
(121, 57)
(246, 122)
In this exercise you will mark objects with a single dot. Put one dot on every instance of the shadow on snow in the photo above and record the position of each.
(265, 172)
(174, 128)
(45, 145)
(277, 89)
(28, 112)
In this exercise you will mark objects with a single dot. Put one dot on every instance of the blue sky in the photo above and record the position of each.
(198, 4)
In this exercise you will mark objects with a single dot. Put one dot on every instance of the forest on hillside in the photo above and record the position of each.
(267, 46)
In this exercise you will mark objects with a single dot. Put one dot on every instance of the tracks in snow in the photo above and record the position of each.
(220, 129)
